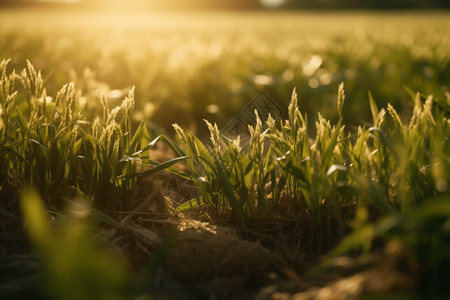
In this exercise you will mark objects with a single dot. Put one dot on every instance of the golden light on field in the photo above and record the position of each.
(178, 5)
(106, 5)
(272, 3)
(60, 1)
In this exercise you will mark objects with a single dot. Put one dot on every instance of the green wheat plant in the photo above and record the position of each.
(385, 55)
(47, 143)
(385, 167)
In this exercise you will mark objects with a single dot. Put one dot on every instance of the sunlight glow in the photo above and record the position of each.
(272, 3)
(61, 1)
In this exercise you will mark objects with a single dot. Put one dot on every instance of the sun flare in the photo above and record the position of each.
(272, 3)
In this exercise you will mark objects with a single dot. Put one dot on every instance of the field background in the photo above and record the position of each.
(190, 66)
(357, 210)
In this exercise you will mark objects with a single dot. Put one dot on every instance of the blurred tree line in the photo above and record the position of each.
(368, 3)
(252, 4)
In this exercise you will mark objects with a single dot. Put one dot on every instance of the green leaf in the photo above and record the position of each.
(382, 136)
(336, 167)
(281, 184)
(373, 109)
(37, 224)
(77, 146)
(169, 142)
(22, 120)
(410, 92)
(136, 138)
(327, 155)
(193, 203)
(202, 156)
(289, 164)
(358, 149)
(145, 140)
(361, 237)
(268, 164)
(227, 189)
(90, 139)
(6, 214)
(102, 217)
(39, 144)
(128, 158)
(243, 194)
(161, 166)
(173, 170)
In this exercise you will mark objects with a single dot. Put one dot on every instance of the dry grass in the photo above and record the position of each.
(203, 251)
